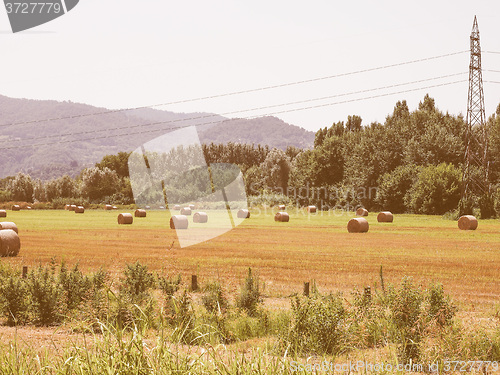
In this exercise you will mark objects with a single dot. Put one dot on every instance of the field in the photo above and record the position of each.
(309, 247)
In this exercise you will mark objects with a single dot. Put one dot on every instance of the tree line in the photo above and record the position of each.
(412, 162)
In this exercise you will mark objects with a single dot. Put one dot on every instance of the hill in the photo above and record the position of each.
(48, 138)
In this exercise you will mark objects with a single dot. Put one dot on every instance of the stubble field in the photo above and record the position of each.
(284, 255)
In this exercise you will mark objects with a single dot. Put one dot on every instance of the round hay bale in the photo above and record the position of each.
(200, 217)
(282, 217)
(10, 244)
(177, 207)
(3, 213)
(72, 207)
(140, 213)
(467, 222)
(66, 207)
(115, 208)
(385, 217)
(282, 207)
(16, 207)
(79, 210)
(147, 207)
(243, 214)
(358, 225)
(9, 225)
(108, 207)
(29, 208)
(311, 209)
(179, 222)
(192, 206)
(361, 212)
(186, 211)
(125, 219)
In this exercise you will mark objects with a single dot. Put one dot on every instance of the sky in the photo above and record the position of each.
(123, 53)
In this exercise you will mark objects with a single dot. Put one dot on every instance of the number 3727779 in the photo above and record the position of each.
(33, 8)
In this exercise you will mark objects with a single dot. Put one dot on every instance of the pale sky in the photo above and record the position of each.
(123, 53)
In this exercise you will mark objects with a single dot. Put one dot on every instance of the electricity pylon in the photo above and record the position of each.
(475, 179)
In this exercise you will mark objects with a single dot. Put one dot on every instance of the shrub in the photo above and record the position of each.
(74, 284)
(214, 298)
(15, 300)
(169, 286)
(137, 282)
(250, 297)
(439, 306)
(45, 295)
(180, 314)
(405, 306)
(316, 325)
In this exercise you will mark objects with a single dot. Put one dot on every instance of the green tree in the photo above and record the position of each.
(99, 183)
(394, 187)
(117, 163)
(22, 188)
(436, 191)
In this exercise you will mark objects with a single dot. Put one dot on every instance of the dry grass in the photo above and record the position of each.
(283, 254)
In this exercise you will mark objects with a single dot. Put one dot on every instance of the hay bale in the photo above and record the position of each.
(147, 207)
(29, 208)
(282, 207)
(282, 217)
(311, 209)
(179, 222)
(16, 207)
(3, 213)
(467, 222)
(79, 210)
(192, 206)
(200, 217)
(177, 207)
(361, 212)
(125, 219)
(385, 217)
(108, 207)
(66, 207)
(72, 207)
(115, 208)
(243, 214)
(358, 225)
(10, 244)
(186, 211)
(140, 213)
(9, 225)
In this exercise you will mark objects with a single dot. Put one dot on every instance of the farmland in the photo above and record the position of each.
(317, 246)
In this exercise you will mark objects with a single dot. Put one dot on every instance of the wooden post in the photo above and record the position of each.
(25, 272)
(194, 283)
(306, 289)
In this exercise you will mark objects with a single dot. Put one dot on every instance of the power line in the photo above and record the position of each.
(235, 112)
(236, 92)
(249, 117)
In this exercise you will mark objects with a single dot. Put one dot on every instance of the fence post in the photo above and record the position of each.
(306, 289)
(194, 283)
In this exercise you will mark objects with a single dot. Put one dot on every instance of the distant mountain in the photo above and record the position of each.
(263, 130)
(48, 138)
